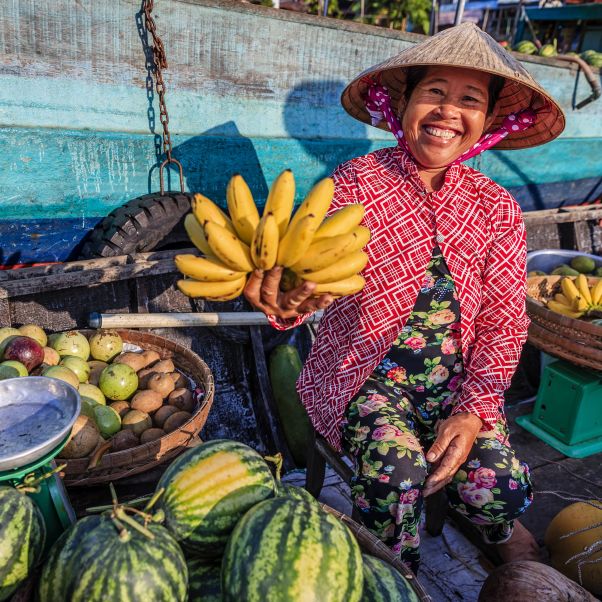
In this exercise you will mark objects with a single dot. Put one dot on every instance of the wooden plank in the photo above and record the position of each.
(542, 236)
(583, 238)
(560, 216)
(92, 277)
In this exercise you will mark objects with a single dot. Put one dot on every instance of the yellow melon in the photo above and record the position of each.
(576, 517)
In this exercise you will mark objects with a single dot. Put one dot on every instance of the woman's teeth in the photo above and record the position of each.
(446, 134)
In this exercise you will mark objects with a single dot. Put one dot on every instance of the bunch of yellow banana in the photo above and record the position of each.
(577, 299)
(325, 251)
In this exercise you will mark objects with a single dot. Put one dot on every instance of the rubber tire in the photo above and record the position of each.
(148, 223)
(154, 222)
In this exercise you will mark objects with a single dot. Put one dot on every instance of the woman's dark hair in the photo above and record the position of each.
(415, 75)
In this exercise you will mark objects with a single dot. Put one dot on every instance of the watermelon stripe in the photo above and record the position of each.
(22, 536)
(285, 549)
(208, 489)
(221, 471)
(382, 583)
(92, 564)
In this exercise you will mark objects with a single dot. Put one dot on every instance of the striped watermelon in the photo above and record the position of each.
(382, 583)
(94, 562)
(284, 550)
(204, 580)
(295, 493)
(208, 489)
(22, 537)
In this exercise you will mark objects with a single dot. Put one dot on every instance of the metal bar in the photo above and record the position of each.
(459, 12)
(433, 20)
(183, 320)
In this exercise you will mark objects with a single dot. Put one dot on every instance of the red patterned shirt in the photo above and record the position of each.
(479, 229)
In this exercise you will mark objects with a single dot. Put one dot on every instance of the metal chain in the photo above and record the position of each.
(161, 63)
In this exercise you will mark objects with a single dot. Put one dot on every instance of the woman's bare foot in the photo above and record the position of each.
(520, 546)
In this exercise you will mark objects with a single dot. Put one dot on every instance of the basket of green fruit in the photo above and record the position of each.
(144, 398)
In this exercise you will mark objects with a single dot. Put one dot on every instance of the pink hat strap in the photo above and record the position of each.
(378, 105)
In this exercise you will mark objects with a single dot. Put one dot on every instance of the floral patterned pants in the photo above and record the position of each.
(392, 422)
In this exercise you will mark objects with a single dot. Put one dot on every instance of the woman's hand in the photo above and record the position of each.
(263, 292)
(455, 438)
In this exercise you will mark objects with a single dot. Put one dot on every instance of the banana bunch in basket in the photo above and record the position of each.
(577, 299)
(325, 251)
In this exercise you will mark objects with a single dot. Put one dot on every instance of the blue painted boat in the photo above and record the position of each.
(250, 90)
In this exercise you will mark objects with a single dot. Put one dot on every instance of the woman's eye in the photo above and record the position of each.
(436, 91)
(471, 99)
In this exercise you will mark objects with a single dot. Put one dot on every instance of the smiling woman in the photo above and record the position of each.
(409, 374)
(445, 112)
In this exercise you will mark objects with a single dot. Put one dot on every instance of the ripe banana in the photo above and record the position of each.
(281, 200)
(560, 298)
(214, 291)
(205, 210)
(297, 240)
(264, 246)
(205, 270)
(348, 286)
(340, 270)
(341, 222)
(242, 209)
(580, 304)
(325, 252)
(569, 289)
(196, 234)
(597, 292)
(581, 283)
(560, 308)
(227, 247)
(316, 202)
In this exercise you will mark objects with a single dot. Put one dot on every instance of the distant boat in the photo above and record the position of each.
(249, 89)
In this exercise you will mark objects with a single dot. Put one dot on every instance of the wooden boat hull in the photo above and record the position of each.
(250, 90)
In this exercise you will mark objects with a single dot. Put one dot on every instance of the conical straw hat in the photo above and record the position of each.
(464, 46)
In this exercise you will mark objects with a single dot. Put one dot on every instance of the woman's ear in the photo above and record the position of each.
(491, 117)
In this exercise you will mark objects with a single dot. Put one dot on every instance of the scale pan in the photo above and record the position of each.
(36, 414)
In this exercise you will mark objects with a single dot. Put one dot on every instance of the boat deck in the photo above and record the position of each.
(453, 568)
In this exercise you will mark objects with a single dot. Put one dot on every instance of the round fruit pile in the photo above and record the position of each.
(231, 532)
(580, 264)
(129, 398)
(327, 252)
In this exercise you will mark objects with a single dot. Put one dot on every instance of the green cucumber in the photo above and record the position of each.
(285, 367)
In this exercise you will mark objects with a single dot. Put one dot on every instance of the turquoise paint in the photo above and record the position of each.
(65, 174)
(309, 109)
(250, 90)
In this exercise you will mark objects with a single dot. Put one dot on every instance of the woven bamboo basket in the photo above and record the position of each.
(118, 465)
(577, 341)
(373, 546)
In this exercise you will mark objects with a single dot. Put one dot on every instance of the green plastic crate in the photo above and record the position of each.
(568, 410)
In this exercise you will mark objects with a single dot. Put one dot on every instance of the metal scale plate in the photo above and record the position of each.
(36, 415)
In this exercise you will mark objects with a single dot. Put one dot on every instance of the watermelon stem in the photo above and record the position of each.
(124, 534)
(121, 515)
(135, 502)
(277, 461)
(154, 499)
(31, 483)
